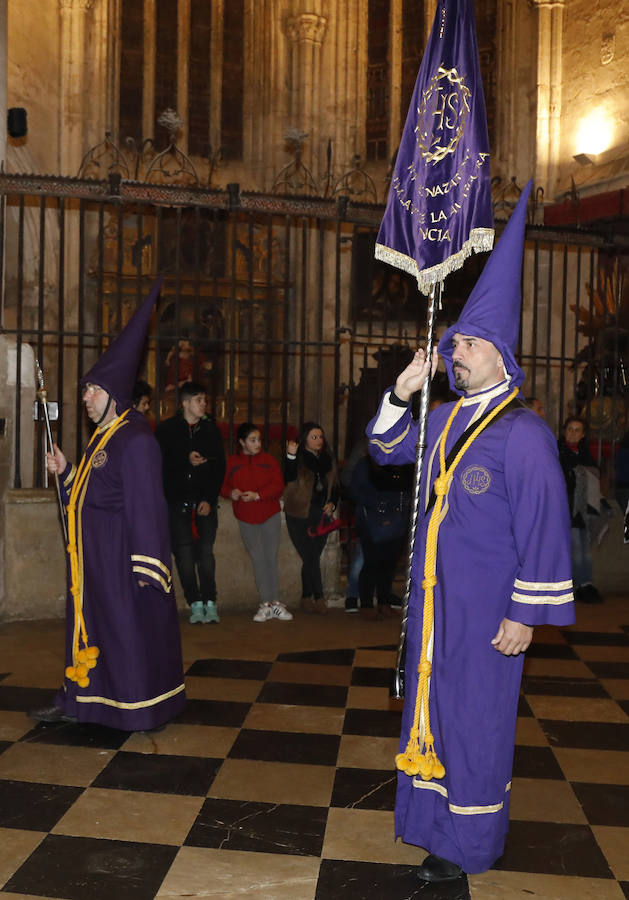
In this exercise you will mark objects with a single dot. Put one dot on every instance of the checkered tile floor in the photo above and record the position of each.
(277, 783)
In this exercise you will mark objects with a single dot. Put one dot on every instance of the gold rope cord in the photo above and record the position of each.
(413, 761)
(82, 659)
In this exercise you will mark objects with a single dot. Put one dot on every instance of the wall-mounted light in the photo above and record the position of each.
(594, 135)
(585, 159)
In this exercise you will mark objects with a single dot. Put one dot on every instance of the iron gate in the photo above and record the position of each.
(277, 305)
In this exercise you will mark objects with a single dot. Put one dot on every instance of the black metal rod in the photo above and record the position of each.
(433, 302)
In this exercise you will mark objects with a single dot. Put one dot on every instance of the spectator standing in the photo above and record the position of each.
(310, 496)
(581, 474)
(382, 497)
(141, 397)
(356, 557)
(253, 481)
(193, 472)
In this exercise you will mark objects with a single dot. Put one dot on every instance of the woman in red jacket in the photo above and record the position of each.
(254, 482)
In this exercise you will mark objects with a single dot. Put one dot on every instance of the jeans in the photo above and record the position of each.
(358, 560)
(310, 550)
(581, 558)
(194, 559)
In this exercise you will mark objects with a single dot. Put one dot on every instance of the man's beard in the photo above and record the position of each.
(461, 376)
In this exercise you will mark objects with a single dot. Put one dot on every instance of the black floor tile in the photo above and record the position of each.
(4, 745)
(324, 657)
(303, 694)
(563, 687)
(4, 675)
(78, 735)
(75, 868)
(365, 676)
(283, 746)
(524, 708)
(586, 735)
(604, 804)
(34, 807)
(259, 827)
(553, 849)
(229, 714)
(252, 669)
(21, 699)
(624, 705)
(609, 669)
(159, 773)
(597, 638)
(550, 651)
(373, 722)
(625, 888)
(536, 762)
(364, 789)
(339, 878)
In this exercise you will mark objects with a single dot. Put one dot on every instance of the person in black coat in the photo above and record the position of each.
(193, 472)
(382, 497)
(573, 453)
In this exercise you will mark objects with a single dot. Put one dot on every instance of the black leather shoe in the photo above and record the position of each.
(50, 715)
(435, 868)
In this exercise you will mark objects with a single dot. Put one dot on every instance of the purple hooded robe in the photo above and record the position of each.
(503, 551)
(122, 538)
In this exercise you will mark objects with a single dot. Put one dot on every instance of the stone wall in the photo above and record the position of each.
(34, 564)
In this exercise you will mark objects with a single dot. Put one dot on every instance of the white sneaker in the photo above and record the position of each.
(268, 611)
(279, 611)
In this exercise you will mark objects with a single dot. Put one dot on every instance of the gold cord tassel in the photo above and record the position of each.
(420, 757)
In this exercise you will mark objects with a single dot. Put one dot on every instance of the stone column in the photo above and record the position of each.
(549, 50)
(306, 32)
(73, 15)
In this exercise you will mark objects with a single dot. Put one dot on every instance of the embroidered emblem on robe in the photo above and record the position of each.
(99, 459)
(476, 479)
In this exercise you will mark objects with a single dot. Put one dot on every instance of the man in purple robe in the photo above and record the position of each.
(493, 563)
(123, 649)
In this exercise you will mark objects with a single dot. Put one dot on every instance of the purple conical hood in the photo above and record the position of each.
(117, 369)
(493, 308)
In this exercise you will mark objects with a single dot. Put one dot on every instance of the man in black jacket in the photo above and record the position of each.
(193, 472)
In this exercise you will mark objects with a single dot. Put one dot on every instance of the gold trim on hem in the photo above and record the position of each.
(389, 446)
(137, 557)
(453, 807)
(140, 704)
(543, 585)
(541, 601)
(142, 570)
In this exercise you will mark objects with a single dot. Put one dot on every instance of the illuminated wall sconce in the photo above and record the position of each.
(586, 159)
(594, 135)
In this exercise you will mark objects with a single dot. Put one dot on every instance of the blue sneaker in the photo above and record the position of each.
(211, 614)
(197, 613)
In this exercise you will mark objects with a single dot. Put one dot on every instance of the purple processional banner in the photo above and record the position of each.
(439, 207)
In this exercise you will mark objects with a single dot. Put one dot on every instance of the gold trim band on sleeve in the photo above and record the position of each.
(389, 446)
(541, 601)
(140, 704)
(543, 585)
(142, 570)
(151, 560)
(69, 477)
